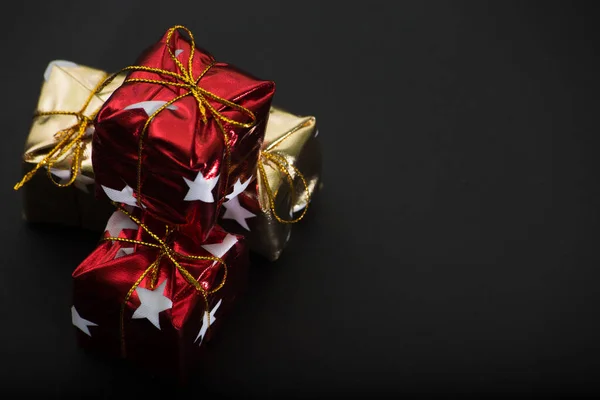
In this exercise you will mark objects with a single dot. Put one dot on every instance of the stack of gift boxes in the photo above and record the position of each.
(186, 167)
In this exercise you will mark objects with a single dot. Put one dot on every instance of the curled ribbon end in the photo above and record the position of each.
(28, 176)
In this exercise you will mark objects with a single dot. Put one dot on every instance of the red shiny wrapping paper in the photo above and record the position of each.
(178, 144)
(102, 282)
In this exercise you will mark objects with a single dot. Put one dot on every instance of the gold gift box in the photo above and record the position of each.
(294, 139)
(68, 86)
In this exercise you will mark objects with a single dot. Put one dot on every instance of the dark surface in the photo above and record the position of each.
(454, 247)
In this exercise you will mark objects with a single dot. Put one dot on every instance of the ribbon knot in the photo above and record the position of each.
(166, 250)
(192, 85)
(70, 139)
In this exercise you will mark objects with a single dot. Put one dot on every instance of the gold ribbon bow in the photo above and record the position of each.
(164, 251)
(70, 139)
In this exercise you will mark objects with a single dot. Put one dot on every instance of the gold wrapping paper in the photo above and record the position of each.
(67, 86)
(294, 138)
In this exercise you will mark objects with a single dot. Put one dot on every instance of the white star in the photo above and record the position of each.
(124, 195)
(81, 323)
(152, 303)
(81, 181)
(238, 187)
(117, 222)
(220, 249)
(234, 210)
(58, 63)
(206, 323)
(201, 188)
(151, 106)
(178, 52)
(124, 251)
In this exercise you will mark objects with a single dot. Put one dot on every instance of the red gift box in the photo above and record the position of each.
(131, 300)
(199, 124)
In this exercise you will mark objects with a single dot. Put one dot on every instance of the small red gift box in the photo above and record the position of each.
(156, 299)
(180, 131)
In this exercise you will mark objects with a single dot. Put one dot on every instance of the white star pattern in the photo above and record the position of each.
(220, 249)
(153, 302)
(178, 52)
(81, 323)
(235, 211)
(206, 323)
(58, 63)
(201, 188)
(238, 188)
(124, 195)
(124, 251)
(117, 222)
(150, 107)
(81, 181)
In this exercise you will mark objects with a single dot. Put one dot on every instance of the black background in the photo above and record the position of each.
(453, 249)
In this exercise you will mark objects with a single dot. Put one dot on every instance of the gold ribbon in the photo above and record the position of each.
(68, 139)
(164, 251)
(284, 167)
